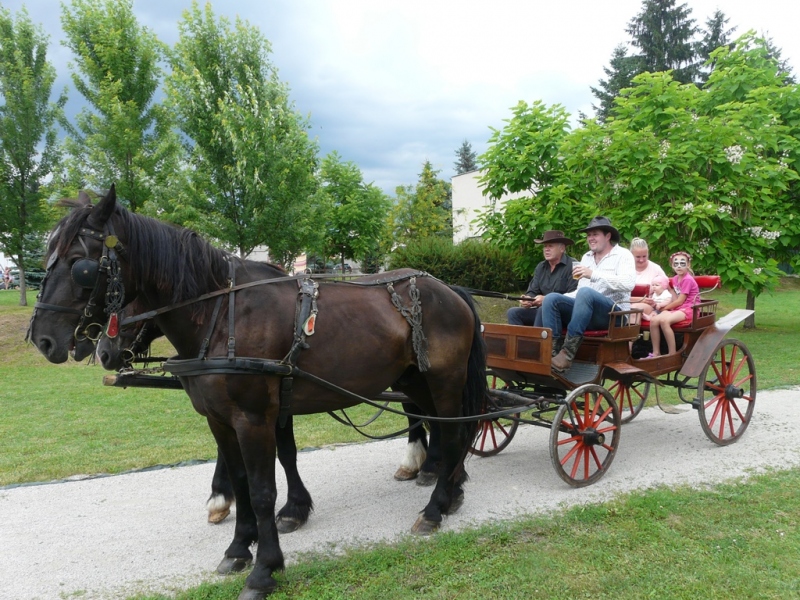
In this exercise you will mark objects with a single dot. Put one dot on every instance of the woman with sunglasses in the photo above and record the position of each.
(686, 292)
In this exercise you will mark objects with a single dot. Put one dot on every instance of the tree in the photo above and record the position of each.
(252, 162)
(28, 146)
(714, 35)
(711, 171)
(621, 70)
(355, 212)
(466, 159)
(125, 137)
(663, 33)
(423, 210)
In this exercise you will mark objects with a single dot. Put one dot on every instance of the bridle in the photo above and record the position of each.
(85, 273)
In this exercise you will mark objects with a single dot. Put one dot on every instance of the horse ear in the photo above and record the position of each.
(103, 210)
(83, 198)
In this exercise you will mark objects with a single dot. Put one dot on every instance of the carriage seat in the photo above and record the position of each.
(704, 311)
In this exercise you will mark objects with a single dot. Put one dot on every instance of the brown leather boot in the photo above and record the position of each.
(563, 360)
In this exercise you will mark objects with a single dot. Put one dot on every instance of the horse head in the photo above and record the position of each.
(84, 282)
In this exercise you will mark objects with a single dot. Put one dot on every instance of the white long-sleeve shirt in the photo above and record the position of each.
(614, 276)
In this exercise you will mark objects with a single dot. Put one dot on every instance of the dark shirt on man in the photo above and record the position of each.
(545, 281)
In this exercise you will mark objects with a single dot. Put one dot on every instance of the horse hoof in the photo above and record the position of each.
(456, 504)
(249, 593)
(424, 527)
(218, 516)
(233, 565)
(404, 474)
(288, 524)
(426, 478)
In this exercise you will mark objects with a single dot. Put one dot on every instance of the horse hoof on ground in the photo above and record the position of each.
(405, 474)
(425, 527)
(288, 524)
(249, 593)
(426, 478)
(233, 565)
(218, 516)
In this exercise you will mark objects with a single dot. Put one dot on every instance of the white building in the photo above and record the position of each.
(469, 202)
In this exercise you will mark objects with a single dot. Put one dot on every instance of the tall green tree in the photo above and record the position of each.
(621, 70)
(466, 159)
(355, 212)
(124, 136)
(28, 146)
(424, 209)
(252, 175)
(715, 35)
(663, 32)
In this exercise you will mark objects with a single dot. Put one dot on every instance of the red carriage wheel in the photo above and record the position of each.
(630, 397)
(494, 434)
(726, 392)
(585, 435)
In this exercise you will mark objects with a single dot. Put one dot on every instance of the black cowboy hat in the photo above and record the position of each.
(554, 236)
(603, 224)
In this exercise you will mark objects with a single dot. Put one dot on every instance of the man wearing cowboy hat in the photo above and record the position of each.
(553, 274)
(607, 275)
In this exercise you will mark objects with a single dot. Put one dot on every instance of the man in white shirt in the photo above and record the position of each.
(607, 275)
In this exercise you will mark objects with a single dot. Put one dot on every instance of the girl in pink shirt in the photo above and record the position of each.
(686, 294)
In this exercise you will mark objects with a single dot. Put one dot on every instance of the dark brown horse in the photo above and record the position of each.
(367, 338)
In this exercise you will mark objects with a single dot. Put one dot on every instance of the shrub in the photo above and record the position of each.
(472, 263)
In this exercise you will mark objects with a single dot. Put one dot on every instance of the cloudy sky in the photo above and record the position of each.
(391, 84)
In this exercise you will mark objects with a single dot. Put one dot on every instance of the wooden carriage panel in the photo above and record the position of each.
(518, 348)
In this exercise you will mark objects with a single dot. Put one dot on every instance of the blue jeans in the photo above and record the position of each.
(588, 310)
(532, 317)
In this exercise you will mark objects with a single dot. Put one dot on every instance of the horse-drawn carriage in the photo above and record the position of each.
(248, 362)
(607, 386)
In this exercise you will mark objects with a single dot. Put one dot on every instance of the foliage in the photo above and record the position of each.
(526, 155)
(466, 159)
(663, 33)
(621, 70)
(124, 137)
(354, 212)
(713, 171)
(714, 36)
(423, 210)
(28, 146)
(472, 263)
(252, 162)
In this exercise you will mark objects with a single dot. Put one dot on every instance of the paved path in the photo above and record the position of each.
(114, 536)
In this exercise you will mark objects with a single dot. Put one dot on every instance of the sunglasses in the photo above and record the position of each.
(680, 263)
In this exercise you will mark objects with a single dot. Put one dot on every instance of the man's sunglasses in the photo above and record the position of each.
(680, 263)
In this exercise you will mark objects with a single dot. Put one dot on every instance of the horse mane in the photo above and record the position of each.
(181, 263)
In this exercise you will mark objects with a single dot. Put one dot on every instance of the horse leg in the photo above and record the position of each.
(299, 505)
(429, 471)
(221, 499)
(448, 495)
(416, 449)
(257, 440)
(237, 556)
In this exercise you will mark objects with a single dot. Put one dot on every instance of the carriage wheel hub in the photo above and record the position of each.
(592, 437)
(733, 392)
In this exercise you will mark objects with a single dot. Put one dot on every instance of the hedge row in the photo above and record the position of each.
(472, 263)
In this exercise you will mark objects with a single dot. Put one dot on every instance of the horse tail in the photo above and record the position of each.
(475, 389)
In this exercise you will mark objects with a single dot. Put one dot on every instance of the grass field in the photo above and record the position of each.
(732, 541)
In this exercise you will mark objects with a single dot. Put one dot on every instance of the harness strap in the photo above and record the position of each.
(211, 324)
(231, 305)
(414, 318)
